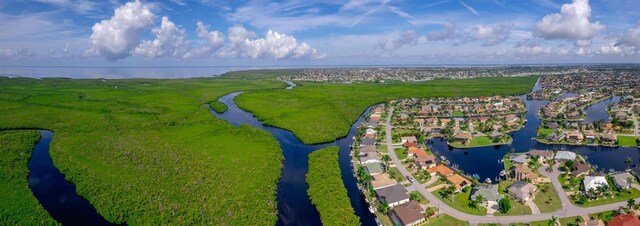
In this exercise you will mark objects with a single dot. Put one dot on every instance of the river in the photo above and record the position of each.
(55, 194)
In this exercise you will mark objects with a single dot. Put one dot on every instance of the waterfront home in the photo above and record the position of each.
(370, 157)
(609, 138)
(375, 117)
(489, 192)
(575, 137)
(522, 191)
(441, 169)
(382, 180)
(407, 214)
(426, 162)
(409, 139)
(564, 156)
(622, 180)
(580, 169)
(521, 158)
(590, 136)
(523, 172)
(543, 155)
(366, 150)
(496, 135)
(463, 138)
(594, 182)
(510, 118)
(458, 181)
(393, 195)
(624, 220)
(372, 124)
(368, 141)
(373, 168)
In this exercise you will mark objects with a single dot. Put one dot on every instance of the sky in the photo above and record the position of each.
(142, 33)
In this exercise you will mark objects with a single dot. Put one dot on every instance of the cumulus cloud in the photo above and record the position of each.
(449, 32)
(492, 34)
(631, 38)
(213, 41)
(170, 41)
(571, 23)
(406, 38)
(274, 45)
(7, 54)
(118, 36)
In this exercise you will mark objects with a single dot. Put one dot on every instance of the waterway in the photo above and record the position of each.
(294, 206)
(55, 194)
(485, 161)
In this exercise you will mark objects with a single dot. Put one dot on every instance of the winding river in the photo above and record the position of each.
(57, 195)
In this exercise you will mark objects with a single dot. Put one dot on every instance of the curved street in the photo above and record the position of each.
(567, 210)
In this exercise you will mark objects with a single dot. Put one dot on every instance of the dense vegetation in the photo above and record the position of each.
(326, 189)
(219, 107)
(148, 151)
(259, 74)
(18, 205)
(322, 112)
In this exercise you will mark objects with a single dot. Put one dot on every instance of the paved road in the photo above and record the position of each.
(567, 210)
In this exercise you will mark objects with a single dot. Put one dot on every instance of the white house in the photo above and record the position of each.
(565, 155)
(594, 182)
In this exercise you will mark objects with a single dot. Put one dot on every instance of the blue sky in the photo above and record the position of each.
(308, 32)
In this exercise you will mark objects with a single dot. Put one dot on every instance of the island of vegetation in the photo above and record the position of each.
(146, 151)
(326, 189)
(18, 206)
(219, 107)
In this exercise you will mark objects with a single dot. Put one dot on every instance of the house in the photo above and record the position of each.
(407, 214)
(409, 139)
(366, 150)
(489, 192)
(419, 122)
(374, 117)
(575, 137)
(580, 169)
(543, 155)
(393, 195)
(458, 181)
(415, 152)
(496, 135)
(368, 141)
(521, 158)
(382, 180)
(410, 145)
(522, 191)
(609, 137)
(463, 138)
(425, 162)
(441, 169)
(553, 125)
(372, 124)
(369, 157)
(564, 156)
(590, 136)
(624, 220)
(511, 118)
(622, 180)
(594, 182)
(373, 168)
(523, 172)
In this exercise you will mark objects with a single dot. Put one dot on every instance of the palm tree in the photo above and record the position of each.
(386, 160)
(631, 203)
(553, 221)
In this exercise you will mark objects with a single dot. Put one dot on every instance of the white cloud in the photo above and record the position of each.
(79, 6)
(408, 37)
(631, 38)
(213, 41)
(449, 32)
(116, 37)
(170, 41)
(471, 9)
(7, 54)
(571, 23)
(492, 34)
(274, 45)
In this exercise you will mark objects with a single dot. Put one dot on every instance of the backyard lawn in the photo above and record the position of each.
(401, 153)
(613, 198)
(446, 220)
(395, 174)
(517, 208)
(604, 216)
(461, 202)
(547, 199)
(627, 141)
(569, 183)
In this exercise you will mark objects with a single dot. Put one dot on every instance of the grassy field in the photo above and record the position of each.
(547, 199)
(401, 153)
(627, 141)
(446, 220)
(321, 112)
(476, 142)
(326, 190)
(18, 206)
(604, 216)
(461, 203)
(148, 151)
